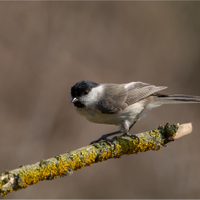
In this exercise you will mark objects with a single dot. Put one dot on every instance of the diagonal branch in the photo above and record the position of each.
(64, 164)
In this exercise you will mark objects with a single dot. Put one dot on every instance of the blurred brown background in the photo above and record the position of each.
(46, 47)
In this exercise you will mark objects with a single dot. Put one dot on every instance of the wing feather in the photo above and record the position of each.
(138, 91)
(113, 100)
(118, 96)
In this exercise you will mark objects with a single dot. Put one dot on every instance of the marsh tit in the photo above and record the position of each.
(121, 104)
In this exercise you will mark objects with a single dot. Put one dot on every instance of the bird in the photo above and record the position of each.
(120, 104)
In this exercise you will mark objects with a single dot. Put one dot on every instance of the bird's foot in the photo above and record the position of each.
(104, 138)
(132, 136)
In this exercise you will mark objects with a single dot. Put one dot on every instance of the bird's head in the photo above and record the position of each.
(80, 92)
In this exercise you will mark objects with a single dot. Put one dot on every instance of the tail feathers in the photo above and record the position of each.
(177, 99)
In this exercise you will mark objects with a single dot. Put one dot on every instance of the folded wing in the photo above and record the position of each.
(138, 91)
(119, 96)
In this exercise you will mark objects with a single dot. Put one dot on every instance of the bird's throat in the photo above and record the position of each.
(78, 104)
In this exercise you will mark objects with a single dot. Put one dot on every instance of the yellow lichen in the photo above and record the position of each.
(49, 171)
(63, 164)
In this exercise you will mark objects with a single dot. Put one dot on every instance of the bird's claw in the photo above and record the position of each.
(104, 138)
(132, 136)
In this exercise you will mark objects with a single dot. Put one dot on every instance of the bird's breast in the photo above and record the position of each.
(130, 114)
(95, 116)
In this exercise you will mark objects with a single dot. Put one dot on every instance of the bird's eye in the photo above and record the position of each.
(86, 92)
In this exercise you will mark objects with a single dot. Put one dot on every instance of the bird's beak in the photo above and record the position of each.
(73, 100)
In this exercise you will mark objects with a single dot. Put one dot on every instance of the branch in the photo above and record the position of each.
(64, 164)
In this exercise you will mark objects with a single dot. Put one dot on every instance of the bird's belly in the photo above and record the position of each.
(130, 114)
(100, 118)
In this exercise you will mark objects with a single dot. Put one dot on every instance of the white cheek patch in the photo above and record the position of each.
(93, 96)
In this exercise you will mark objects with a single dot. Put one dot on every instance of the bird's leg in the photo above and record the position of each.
(104, 137)
(131, 135)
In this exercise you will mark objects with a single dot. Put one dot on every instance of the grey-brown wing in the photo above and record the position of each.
(113, 100)
(118, 97)
(138, 91)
